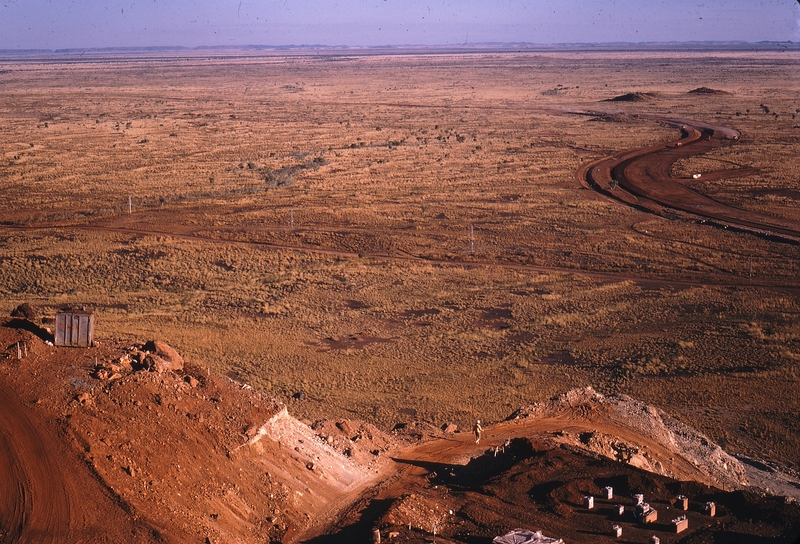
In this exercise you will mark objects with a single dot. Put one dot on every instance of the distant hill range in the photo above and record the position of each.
(223, 51)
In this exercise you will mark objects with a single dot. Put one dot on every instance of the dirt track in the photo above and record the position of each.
(63, 462)
(187, 125)
(47, 495)
(642, 178)
(402, 256)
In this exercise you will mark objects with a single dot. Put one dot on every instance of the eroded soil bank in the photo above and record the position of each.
(180, 455)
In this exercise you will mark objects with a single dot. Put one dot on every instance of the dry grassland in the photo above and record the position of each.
(369, 171)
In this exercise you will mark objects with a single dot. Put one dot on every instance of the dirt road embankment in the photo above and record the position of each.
(47, 493)
(98, 446)
(94, 441)
(536, 468)
(641, 435)
(643, 178)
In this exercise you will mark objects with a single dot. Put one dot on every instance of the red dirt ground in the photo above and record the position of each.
(96, 448)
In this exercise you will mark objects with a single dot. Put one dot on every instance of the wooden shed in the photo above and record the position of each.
(74, 329)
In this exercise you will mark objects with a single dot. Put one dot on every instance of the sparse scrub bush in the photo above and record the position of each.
(426, 340)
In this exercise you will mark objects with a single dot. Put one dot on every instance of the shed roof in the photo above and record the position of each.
(523, 536)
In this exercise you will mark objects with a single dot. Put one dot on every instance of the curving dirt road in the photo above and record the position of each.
(642, 178)
(46, 494)
(36, 499)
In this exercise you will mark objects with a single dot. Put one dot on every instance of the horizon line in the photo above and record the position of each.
(785, 44)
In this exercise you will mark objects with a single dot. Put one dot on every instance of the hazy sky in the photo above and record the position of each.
(52, 24)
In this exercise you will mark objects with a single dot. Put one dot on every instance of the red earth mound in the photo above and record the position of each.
(99, 445)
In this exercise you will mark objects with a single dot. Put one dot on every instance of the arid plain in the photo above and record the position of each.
(403, 237)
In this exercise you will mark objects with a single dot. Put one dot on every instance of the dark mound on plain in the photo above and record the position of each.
(535, 483)
(633, 97)
(706, 90)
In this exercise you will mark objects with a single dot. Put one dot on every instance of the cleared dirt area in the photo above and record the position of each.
(402, 238)
(48, 495)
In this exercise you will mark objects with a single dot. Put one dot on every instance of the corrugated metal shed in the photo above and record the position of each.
(74, 329)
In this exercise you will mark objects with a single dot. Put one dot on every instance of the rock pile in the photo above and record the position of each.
(160, 357)
(154, 356)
